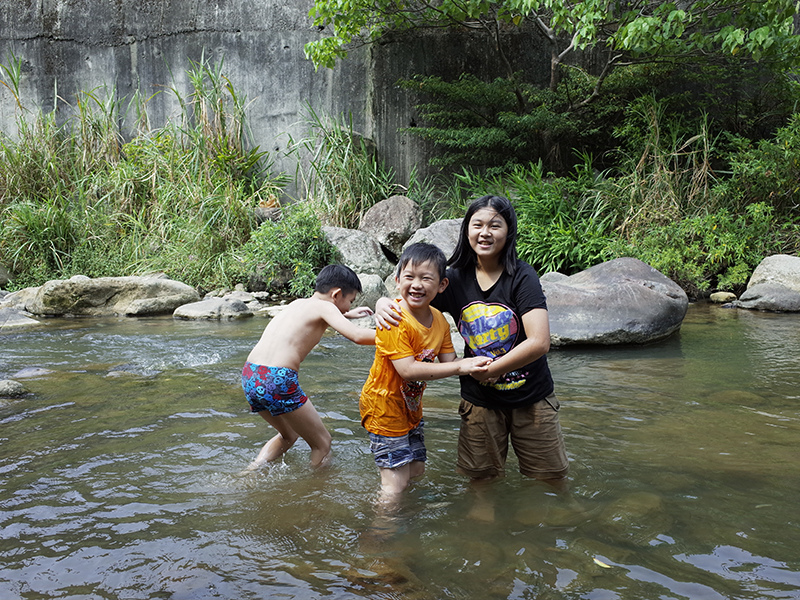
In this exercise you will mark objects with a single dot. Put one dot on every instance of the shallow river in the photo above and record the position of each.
(121, 474)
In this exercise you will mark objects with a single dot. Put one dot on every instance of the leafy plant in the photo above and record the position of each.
(286, 254)
(713, 250)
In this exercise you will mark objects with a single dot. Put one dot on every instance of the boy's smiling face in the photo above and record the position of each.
(419, 283)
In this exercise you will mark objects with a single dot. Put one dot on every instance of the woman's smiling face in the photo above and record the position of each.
(487, 233)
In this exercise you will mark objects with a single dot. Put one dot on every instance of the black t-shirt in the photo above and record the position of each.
(491, 324)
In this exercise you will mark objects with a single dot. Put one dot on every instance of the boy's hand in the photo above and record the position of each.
(474, 365)
(358, 312)
(387, 313)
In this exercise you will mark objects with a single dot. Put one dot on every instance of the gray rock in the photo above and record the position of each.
(32, 373)
(5, 276)
(359, 251)
(781, 269)
(213, 309)
(104, 296)
(441, 233)
(11, 389)
(769, 297)
(372, 289)
(391, 222)
(11, 318)
(623, 301)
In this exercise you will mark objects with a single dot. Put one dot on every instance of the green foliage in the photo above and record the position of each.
(707, 251)
(75, 199)
(762, 29)
(482, 124)
(288, 253)
(344, 177)
(767, 172)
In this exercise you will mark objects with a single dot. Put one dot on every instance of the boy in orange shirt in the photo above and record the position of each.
(391, 399)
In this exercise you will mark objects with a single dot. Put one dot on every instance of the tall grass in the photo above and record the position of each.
(75, 197)
(343, 177)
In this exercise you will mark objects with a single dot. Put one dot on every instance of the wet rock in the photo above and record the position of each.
(11, 389)
(774, 285)
(637, 518)
(11, 318)
(722, 297)
(213, 309)
(772, 297)
(32, 373)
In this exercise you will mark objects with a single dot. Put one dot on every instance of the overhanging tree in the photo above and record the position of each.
(625, 31)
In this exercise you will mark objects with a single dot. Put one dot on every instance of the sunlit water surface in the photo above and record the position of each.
(120, 474)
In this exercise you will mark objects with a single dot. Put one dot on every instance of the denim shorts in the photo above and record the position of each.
(394, 452)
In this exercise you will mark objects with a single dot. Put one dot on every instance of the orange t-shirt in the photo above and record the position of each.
(390, 405)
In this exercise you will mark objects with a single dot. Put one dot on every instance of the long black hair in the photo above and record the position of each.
(464, 256)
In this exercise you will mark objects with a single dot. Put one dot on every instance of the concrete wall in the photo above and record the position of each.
(123, 45)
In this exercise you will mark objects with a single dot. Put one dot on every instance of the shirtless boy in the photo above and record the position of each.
(269, 377)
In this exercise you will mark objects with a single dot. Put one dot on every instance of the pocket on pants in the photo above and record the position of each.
(553, 402)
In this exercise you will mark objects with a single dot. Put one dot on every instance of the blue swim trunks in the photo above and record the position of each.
(275, 389)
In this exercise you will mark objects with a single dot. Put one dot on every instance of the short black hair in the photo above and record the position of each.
(420, 253)
(464, 256)
(337, 276)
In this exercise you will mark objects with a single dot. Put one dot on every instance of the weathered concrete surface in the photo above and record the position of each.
(146, 45)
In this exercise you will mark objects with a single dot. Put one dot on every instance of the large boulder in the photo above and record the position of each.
(391, 222)
(359, 251)
(106, 296)
(781, 269)
(441, 233)
(623, 301)
(774, 285)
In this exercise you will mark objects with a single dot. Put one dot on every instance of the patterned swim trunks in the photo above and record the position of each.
(275, 389)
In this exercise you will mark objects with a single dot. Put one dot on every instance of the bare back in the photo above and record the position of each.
(292, 334)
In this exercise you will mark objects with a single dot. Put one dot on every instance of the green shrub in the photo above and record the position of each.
(767, 171)
(288, 253)
(706, 252)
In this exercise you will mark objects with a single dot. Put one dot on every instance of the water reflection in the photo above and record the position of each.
(119, 475)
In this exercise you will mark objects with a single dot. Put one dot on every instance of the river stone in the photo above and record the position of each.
(781, 269)
(11, 318)
(11, 389)
(212, 309)
(391, 222)
(637, 517)
(106, 296)
(359, 251)
(623, 301)
(441, 233)
(722, 297)
(772, 297)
